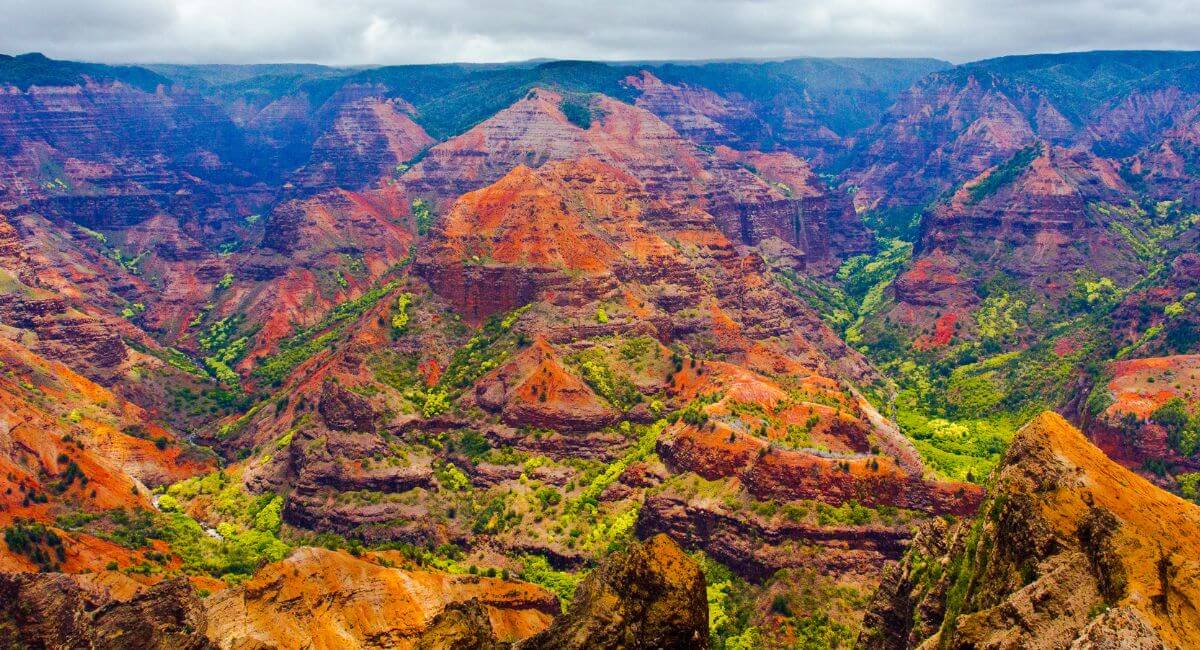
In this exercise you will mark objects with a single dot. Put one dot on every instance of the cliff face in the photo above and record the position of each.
(583, 233)
(699, 114)
(758, 548)
(325, 599)
(946, 129)
(367, 138)
(1038, 218)
(68, 445)
(573, 228)
(109, 155)
(954, 124)
(55, 611)
(1070, 548)
(651, 595)
(828, 229)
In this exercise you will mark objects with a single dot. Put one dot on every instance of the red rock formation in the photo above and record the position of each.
(534, 131)
(1045, 218)
(829, 229)
(69, 445)
(108, 154)
(770, 473)
(57, 611)
(1137, 389)
(367, 139)
(651, 595)
(757, 549)
(697, 113)
(532, 232)
(293, 277)
(535, 390)
(945, 130)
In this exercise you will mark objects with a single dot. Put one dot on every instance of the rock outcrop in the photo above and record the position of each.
(534, 389)
(1071, 550)
(650, 596)
(756, 548)
(366, 141)
(1138, 388)
(770, 473)
(111, 152)
(326, 599)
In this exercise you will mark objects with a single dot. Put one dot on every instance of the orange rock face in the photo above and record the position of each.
(568, 227)
(1106, 556)
(534, 389)
(326, 599)
(786, 475)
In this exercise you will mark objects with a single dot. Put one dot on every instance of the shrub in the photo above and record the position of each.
(576, 113)
(1183, 429)
(779, 605)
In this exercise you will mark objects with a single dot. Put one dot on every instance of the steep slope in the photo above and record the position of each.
(1039, 228)
(55, 611)
(110, 149)
(650, 595)
(69, 446)
(369, 138)
(1071, 548)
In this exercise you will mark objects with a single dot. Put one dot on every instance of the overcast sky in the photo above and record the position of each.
(404, 31)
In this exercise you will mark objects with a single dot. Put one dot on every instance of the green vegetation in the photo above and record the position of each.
(490, 347)
(400, 315)
(865, 279)
(132, 310)
(1183, 427)
(560, 583)
(302, 345)
(819, 632)
(35, 541)
(646, 440)
(224, 348)
(1004, 173)
(577, 112)
(1189, 486)
(598, 373)
(422, 216)
(730, 607)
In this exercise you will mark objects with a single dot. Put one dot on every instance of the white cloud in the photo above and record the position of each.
(408, 31)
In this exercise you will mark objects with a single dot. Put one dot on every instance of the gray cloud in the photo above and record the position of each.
(409, 31)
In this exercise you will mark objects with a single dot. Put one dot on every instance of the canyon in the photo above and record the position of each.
(803, 353)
